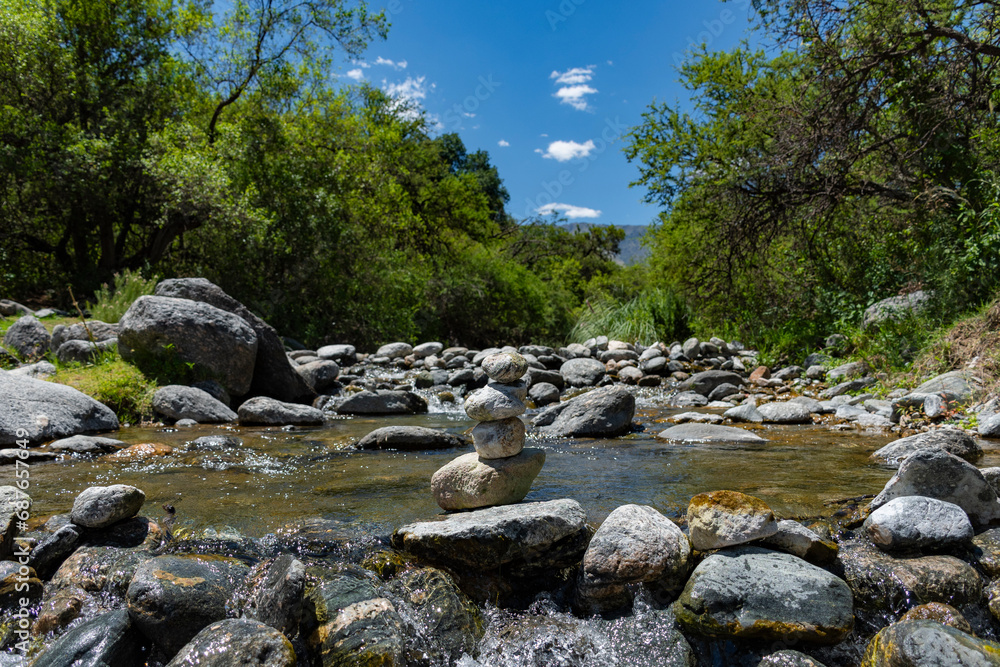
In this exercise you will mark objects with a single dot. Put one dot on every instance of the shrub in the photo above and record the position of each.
(111, 303)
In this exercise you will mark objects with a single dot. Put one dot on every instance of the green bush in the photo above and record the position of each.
(111, 303)
(657, 314)
(115, 383)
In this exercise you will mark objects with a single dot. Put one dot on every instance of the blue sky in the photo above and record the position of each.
(549, 88)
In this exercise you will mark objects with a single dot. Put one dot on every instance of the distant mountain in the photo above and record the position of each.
(631, 250)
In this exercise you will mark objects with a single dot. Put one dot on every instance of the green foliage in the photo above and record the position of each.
(116, 383)
(110, 303)
(656, 314)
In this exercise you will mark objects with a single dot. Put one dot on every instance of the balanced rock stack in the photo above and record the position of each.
(501, 470)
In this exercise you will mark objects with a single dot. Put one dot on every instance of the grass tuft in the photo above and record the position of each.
(112, 302)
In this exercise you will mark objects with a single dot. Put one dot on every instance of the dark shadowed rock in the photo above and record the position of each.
(40, 411)
(272, 412)
(383, 402)
(276, 589)
(179, 402)
(705, 382)
(604, 412)
(582, 372)
(443, 613)
(319, 375)
(28, 337)
(94, 330)
(273, 375)
(104, 641)
(83, 351)
(236, 641)
(219, 344)
(409, 438)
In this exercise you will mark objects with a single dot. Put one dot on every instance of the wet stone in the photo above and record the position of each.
(950, 440)
(789, 658)
(236, 641)
(794, 538)
(274, 593)
(448, 623)
(940, 612)
(108, 639)
(409, 438)
(929, 644)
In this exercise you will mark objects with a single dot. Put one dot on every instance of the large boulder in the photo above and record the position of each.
(582, 372)
(383, 402)
(961, 386)
(710, 433)
(923, 643)
(320, 374)
(704, 383)
(273, 375)
(409, 438)
(267, 411)
(39, 411)
(179, 402)
(470, 481)
(28, 337)
(753, 593)
(604, 412)
(165, 329)
(916, 522)
(950, 440)
(937, 474)
(896, 308)
(785, 413)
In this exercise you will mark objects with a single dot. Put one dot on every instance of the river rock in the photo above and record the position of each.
(696, 417)
(320, 374)
(94, 330)
(218, 343)
(383, 402)
(101, 506)
(916, 522)
(442, 612)
(789, 658)
(688, 399)
(990, 426)
(961, 386)
(494, 401)
(39, 411)
(108, 639)
(517, 539)
(847, 387)
(950, 440)
(753, 593)
(28, 337)
(709, 433)
(505, 366)
(891, 585)
(172, 598)
(634, 544)
(13, 501)
(274, 593)
(236, 641)
(101, 570)
(341, 353)
(83, 351)
(928, 644)
(604, 412)
(706, 381)
(725, 518)
(937, 474)
(630, 375)
(425, 350)
(469, 481)
(366, 632)
(940, 612)
(655, 365)
(536, 376)
(849, 370)
(272, 375)
(180, 402)
(785, 413)
(582, 372)
(744, 413)
(543, 393)
(794, 538)
(272, 412)
(394, 350)
(86, 444)
(499, 439)
(409, 438)
(55, 548)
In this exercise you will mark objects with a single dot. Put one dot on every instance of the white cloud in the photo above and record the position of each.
(573, 76)
(356, 74)
(574, 96)
(503, 143)
(412, 89)
(574, 86)
(393, 64)
(568, 210)
(564, 151)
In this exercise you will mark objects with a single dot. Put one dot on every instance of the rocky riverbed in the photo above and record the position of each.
(694, 508)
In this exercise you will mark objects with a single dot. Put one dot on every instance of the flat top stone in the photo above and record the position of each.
(709, 433)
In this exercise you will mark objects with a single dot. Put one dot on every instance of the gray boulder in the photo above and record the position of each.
(709, 433)
(916, 522)
(40, 370)
(582, 372)
(341, 353)
(753, 593)
(383, 402)
(744, 413)
(470, 481)
(394, 350)
(86, 444)
(83, 351)
(272, 374)
(949, 440)
(217, 343)
(990, 426)
(688, 399)
(725, 518)
(519, 539)
(604, 412)
(94, 330)
(937, 474)
(179, 402)
(272, 412)
(409, 438)
(40, 411)
(785, 413)
(960, 386)
(101, 506)
(425, 350)
(10, 308)
(543, 393)
(846, 388)
(846, 371)
(896, 308)
(495, 401)
(28, 337)
(926, 643)
(275, 593)
(236, 641)
(320, 374)
(706, 381)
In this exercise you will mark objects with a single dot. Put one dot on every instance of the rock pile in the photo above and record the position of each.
(501, 470)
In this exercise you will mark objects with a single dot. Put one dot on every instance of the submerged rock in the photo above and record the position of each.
(272, 412)
(752, 593)
(709, 433)
(236, 641)
(409, 438)
(470, 481)
(107, 639)
(725, 518)
(448, 623)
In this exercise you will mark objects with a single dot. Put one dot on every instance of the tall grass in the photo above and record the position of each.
(111, 303)
(654, 315)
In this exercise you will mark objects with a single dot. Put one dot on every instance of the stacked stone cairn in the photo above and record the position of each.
(501, 470)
